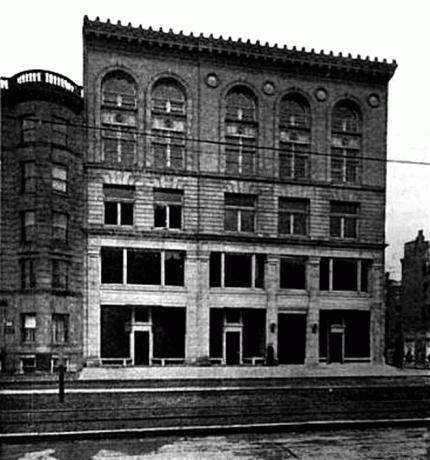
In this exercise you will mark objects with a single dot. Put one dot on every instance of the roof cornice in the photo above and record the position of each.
(319, 62)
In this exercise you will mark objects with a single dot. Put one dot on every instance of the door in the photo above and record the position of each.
(141, 348)
(336, 347)
(232, 344)
(291, 338)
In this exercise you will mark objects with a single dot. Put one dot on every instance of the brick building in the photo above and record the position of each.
(234, 201)
(415, 300)
(41, 219)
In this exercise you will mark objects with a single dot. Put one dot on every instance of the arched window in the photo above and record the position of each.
(169, 122)
(241, 132)
(118, 116)
(294, 138)
(345, 143)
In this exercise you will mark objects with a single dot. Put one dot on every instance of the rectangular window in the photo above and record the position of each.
(28, 364)
(59, 130)
(28, 274)
(28, 128)
(174, 268)
(59, 178)
(239, 212)
(237, 270)
(112, 265)
(28, 177)
(339, 274)
(143, 267)
(59, 226)
(119, 204)
(343, 219)
(119, 146)
(60, 274)
(28, 226)
(240, 155)
(344, 165)
(168, 149)
(293, 160)
(60, 328)
(168, 208)
(293, 216)
(293, 273)
(28, 322)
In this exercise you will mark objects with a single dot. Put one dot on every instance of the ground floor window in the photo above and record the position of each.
(291, 338)
(142, 335)
(237, 336)
(344, 335)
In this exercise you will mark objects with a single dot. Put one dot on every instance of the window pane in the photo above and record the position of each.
(341, 207)
(112, 265)
(174, 268)
(344, 275)
(350, 230)
(175, 215)
(111, 213)
(238, 269)
(324, 274)
(231, 220)
(300, 227)
(284, 223)
(247, 221)
(118, 191)
(215, 269)
(335, 226)
(260, 262)
(365, 273)
(293, 273)
(285, 164)
(160, 216)
(176, 156)
(239, 200)
(126, 213)
(166, 195)
(160, 155)
(143, 267)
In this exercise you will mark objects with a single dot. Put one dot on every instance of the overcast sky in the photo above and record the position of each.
(47, 34)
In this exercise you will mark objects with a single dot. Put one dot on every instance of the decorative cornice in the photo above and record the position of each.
(319, 62)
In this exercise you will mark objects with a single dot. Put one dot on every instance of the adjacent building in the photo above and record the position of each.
(227, 205)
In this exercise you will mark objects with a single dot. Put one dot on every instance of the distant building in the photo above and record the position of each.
(230, 205)
(416, 300)
(394, 347)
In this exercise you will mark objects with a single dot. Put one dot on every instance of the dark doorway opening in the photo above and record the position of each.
(141, 348)
(291, 338)
(232, 347)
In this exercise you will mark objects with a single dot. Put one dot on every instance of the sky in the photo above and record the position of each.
(47, 34)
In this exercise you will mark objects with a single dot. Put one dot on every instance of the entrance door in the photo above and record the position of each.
(336, 347)
(232, 345)
(291, 338)
(141, 348)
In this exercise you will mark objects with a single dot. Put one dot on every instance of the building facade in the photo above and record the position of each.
(233, 202)
(415, 301)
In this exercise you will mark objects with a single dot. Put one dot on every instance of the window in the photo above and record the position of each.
(59, 178)
(241, 132)
(294, 129)
(29, 125)
(119, 115)
(60, 328)
(28, 274)
(60, 272)
(59, 130)
(293, 216)
(168, 208)
(28, 364)
(346, 143)
(293, 273)
(28, 226)
(343, 219)
(339, 274)
(118, 204)
(143, 267)
(239, 212)
(112, 265)
(237, 270)
(28, 321)
(59, 226)
(28, 177)
(168, 104)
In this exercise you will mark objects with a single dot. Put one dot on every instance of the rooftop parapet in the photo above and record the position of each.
(42, 85)
(322, 63)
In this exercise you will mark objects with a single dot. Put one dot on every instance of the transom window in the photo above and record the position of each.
(293, 216)
(241, 132)
(239, 212)
(343, 219)
(294, 128)
(346, 143)
(168, 208)
(168, 105)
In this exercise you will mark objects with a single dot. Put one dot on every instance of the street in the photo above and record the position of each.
(398, 443)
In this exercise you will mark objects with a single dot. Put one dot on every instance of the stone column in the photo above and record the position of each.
(377, 315)
(92, 308)
(271, 283)
(312, 320)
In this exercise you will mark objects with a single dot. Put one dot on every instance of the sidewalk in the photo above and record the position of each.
(243, 372)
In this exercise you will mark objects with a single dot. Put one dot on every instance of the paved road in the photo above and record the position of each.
(411, 443)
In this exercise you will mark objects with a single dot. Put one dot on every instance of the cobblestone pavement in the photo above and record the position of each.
(382, 443)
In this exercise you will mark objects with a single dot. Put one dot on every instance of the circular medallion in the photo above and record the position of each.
(321, 94)
(269, 88)
(212, 80)
(373, 100)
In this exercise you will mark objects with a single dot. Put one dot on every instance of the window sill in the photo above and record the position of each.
(140, 287)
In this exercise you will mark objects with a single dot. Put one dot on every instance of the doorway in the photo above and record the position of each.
(141, 348)
(232, 345)
(335, 346)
